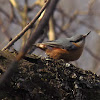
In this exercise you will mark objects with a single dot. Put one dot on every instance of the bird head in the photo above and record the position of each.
(79, 39)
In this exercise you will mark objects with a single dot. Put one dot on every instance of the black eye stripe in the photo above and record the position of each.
(77, 40)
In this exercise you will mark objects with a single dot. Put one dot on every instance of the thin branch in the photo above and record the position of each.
(13, 67)
(13, 16)
(49, 11)
(26, 28)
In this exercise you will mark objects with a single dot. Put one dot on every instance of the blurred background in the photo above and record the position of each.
(70, 17)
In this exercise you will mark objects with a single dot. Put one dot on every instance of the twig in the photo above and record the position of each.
(32, 39)
(25, 29)
(79, 21)
(24, 21)
(13, 16)
(41, 26)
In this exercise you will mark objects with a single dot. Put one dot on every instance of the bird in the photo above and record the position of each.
(68, 49)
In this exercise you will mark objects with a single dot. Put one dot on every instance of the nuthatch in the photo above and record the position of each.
(68, 49)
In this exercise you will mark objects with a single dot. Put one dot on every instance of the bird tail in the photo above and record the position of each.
(41, 46)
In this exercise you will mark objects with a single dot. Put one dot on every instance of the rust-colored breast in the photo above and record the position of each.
(58, 53)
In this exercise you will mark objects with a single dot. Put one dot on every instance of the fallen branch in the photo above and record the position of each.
(45, 79)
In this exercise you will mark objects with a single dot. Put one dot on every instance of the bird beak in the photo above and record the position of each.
(86, 34)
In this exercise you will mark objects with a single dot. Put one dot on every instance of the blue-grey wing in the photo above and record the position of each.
(71, 47)
(62, 43)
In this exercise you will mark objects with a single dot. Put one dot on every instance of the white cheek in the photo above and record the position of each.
(81, 43)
